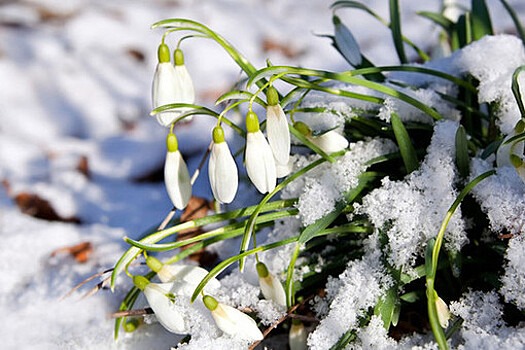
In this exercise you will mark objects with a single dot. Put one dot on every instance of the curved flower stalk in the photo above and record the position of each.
(189, 274)
(232, 321)
(271, 287)
(260, 163)
(222, 170)
(157, 296)
(164, 87)
(329, 142)
(176, 175)
(277, 128)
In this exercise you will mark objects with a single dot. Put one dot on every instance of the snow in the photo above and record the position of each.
(76, 84)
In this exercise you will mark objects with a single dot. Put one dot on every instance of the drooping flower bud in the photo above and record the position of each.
(176, 175)
(186, 92)
(260, 164)
(222, 170)
(157, 296)
(232, 321)
(511, 153)
(189, 274)
(297, 336)
(277, 128)
(271, 287)
(164, 87)
(328, 142)
(442, 312)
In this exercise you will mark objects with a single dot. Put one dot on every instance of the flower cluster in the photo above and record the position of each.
(180, 281)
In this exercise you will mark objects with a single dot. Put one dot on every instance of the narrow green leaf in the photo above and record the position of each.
(462, 157)
(515, 19)
(407, 150)
(481, 22)
(346, 43)
(388, 308)
(516, 90)
(395, 27)
(438, 19)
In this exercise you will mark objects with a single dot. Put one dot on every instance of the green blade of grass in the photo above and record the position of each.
(408, 153)
(395, 27)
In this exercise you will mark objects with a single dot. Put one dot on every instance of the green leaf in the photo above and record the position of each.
(346, 43)
(408, 153)
(438, 19)
(388, 308)
(462, 157)
(516, 90)
(515, 19)
(481, 22)
(395, 26)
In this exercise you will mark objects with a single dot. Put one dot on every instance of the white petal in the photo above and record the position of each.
(297, 338)
(189, 274)
(260, 164)
(329, 142)
(283, 170)
(164, 91)
(177, 180)
(166, 314)
(236, 323)
(272, 289)
(442, 312)
(222, 172)
(278, 133)
(186, 92)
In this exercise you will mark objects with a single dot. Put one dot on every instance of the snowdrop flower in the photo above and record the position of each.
(185, 92)
(164, 89)
(189, 274)
(297, 336)
(511, 154)
(232, 321)
(329, 142)
(176, 175)
(157, 296)
(171, 84)
(271, 287)
(442, 312)
(222, 170)
(277, 128)
(260, 163)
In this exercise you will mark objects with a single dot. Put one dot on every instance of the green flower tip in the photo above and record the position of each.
(171, 142)
(296, 322)
(210, 302)
(516, 161)
(272, 96)
(131, 325)
(520, 127)
(154, 264)
(140, 282)
(178, 57)
(262, 270)
(163, 53)
(252, 122)
(302, 128)
(218, 134)
(336, 20)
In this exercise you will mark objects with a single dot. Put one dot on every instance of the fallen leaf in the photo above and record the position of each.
(80, 252)
(31, 204)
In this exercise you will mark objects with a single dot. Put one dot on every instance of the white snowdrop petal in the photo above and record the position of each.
(278, 133)
(222, 172)
(330, 142)
(236, 323)
(442, 312)
(177, 179)
(164, 91)
(186, 92)
(283, 170)
(260, 164)
(189, 274)
(167, 316)
(272, 289)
